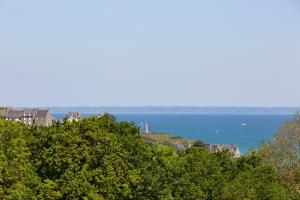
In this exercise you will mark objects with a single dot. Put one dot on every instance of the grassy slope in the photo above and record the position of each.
(164, 139)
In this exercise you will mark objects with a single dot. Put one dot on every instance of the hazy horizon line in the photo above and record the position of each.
(148, 106)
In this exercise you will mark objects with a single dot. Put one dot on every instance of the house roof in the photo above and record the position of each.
(214, 147)
(14, 114)
(42, 113)
(229, 146)
(31, 111)
(74, 115)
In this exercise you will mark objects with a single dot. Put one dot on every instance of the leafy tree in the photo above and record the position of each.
(198, 143)
(283, 152)
(17, 177)
(256, 180)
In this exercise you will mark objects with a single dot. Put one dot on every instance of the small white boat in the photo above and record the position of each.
(244, 124)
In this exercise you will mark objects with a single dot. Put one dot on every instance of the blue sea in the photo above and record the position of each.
(247, 131)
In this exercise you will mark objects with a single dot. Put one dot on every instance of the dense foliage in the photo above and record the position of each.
(283, 152)
(99, 158)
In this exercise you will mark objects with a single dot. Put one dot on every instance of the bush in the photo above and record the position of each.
(198, 143)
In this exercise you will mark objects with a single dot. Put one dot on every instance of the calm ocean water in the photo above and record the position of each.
(245, 131)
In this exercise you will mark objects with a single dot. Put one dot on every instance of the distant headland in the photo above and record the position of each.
(180, 110)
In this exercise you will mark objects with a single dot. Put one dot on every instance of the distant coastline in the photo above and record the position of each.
(181, 110)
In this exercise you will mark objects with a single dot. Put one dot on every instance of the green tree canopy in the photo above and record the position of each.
(100, 158)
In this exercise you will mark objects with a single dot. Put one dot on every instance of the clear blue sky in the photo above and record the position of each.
(150, 53)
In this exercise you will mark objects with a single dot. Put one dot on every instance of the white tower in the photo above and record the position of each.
(146, 128)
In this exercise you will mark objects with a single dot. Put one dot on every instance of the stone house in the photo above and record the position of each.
(221, 147)
(182, 146)
(73, 116)
(36, 117)
(43, 118)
